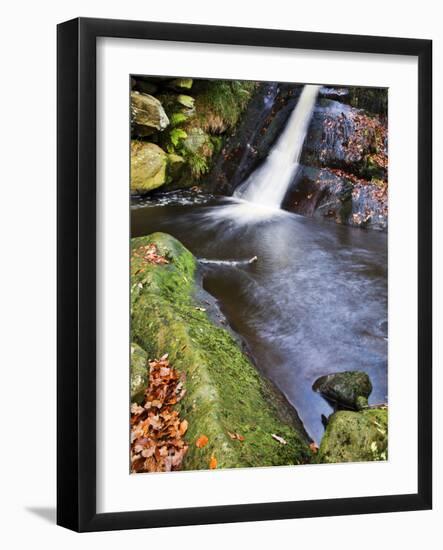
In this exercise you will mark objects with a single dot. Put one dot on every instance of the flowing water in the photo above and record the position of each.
(268, 184)
(314, 302)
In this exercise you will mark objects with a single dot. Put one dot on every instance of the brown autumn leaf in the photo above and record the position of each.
(236, 436)
(183, 427)
(202, 441)
(213, 463)
(314, 447)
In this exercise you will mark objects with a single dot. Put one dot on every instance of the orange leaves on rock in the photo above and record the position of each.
(213, 463)
(157, 443)
(149, 253)
(314, 447)
(202, 441)
(236, 436)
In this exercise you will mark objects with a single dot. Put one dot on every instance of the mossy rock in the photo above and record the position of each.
(186, 100)
(175, 165)
(148, 166)
(355, 437)
(181, 84)
(147, 114)
(139, 373)
(349, 389)
(224, 392)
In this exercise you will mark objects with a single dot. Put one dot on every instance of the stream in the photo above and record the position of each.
(314, 302)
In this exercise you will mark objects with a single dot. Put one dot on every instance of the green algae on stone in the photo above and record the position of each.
(139, 373)
(355, 437)
(224, 392)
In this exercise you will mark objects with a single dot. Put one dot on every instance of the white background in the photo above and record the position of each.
(117, 490)
(27, 219)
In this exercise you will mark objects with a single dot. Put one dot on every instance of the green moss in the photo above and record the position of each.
(224, 391)
(355, 437)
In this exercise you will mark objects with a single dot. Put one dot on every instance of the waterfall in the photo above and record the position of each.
(268, 184)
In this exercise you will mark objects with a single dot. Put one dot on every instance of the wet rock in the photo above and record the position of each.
(355, 437)
(139, 373)
(147, 114)
(349, 389)
(341, 136)
(321, 193)
(148, 166)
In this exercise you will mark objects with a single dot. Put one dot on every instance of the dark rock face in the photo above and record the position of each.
(321, 193)
(249, 145)
(348, 390)
(340, 136)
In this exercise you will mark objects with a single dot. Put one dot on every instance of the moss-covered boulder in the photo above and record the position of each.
(147, 114)
(355, 437)
(225, 395)
(148, 166)
(139, 373)
(349, 389)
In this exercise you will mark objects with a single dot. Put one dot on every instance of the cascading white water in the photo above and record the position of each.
(267, 186)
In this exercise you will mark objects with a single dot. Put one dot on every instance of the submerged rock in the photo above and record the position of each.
(225, 395)
(139, 373)
(148, 166)
(147, 114)
(355, 437)
(349, 389)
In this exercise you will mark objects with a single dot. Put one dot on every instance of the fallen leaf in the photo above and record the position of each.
(201, 441)
(213, 463)
(314, 447)
(183, 427)
(236, 436)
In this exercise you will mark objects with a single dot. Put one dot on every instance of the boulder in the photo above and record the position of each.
(148, 166)
(147, 114)
(355, 437)
(139, 373)
(225, 395)
(349, 389)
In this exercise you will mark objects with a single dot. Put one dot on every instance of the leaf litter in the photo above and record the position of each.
(157, 443)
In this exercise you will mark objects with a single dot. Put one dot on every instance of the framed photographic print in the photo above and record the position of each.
(244, 274)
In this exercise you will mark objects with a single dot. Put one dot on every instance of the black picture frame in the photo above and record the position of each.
(76, 281)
